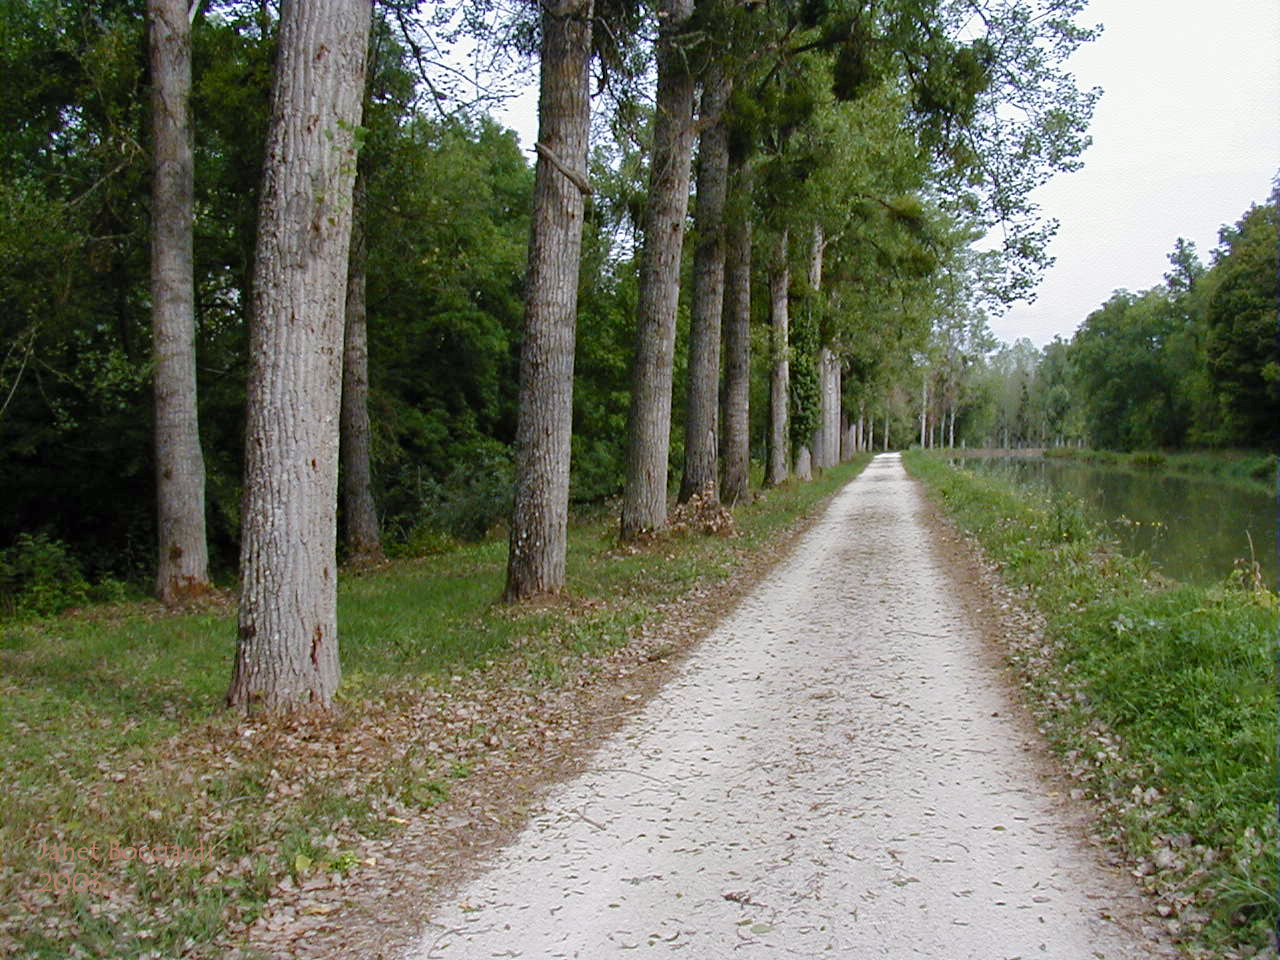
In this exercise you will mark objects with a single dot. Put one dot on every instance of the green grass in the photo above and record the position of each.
(1248, 467)
(112, 727)
(1161, 698)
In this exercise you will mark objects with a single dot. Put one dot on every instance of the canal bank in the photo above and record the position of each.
(1160, 698)
(1195, 528)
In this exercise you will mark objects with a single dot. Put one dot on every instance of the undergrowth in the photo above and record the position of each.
(112, 729)
(1161, 698)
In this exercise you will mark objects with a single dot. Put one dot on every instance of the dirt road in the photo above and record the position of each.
(837, 771)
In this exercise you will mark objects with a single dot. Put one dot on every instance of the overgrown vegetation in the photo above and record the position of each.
(111, 729)
(1160, 697)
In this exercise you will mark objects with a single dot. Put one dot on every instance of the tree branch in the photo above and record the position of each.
(577, 179)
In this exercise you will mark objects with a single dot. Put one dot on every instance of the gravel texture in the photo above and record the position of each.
(836, 770)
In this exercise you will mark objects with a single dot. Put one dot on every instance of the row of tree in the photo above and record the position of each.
(1193, 362)
(182, 224)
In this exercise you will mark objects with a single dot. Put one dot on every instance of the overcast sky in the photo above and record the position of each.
(1186, 136)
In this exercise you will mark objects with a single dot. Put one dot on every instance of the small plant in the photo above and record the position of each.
(38, 575)
(1067, 518)
(475, 497)
(1148, 460)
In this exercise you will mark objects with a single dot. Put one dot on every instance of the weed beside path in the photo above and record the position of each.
(1161, 699)
(112, 733)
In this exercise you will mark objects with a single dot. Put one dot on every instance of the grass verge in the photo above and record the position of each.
(112, 731)
(1161, 699)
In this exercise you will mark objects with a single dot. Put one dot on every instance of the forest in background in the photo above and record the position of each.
(1190, 364)
(866, 152)
(869, 151)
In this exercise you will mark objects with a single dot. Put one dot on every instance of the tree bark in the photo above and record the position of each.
(823, 434)
(182, 570)
(540, 517)
(826, 444)
(701, 428)
(737, 341)
(924, 407)
(780, 378)
(287, 652)
(804, 464)
(360, 516)
(644, 504)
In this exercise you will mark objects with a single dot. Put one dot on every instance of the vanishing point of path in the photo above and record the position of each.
(837, 771)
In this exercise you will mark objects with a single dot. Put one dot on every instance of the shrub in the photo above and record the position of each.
(1149, 460)
(38, 575)
(470, 501)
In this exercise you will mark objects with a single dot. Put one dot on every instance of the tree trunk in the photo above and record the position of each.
(924, 407)
(700, 443)
(182, 570)
(540, 518)
(822, 435)
(818, 443)
(804, 464)
(287, 653)
(737, 341)
(885, 448)
(644, 503)
(360, 517)
(834, 412)
(780, 380)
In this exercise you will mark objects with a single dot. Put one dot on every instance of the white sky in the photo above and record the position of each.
(1186, 136)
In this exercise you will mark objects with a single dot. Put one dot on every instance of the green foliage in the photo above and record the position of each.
(1122, 365)
(1149, 460)
(469, 501)
(449, 221)
(1242, 349)
(447, 224)
(40, 576)
(806, 390)
(1191, 361)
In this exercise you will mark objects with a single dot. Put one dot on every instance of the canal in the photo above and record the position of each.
(1194, 529)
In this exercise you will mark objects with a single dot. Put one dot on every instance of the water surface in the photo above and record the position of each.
(1195, 529)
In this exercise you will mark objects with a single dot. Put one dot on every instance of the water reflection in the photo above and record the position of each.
(1193, 529)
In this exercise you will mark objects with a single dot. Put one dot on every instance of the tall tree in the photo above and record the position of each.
(287, 650)
(1242, 348)
(780, 365)
(360, 515)
(701, 428)
(737, 336)
(539, 526)
(182, 570)
(644, 503)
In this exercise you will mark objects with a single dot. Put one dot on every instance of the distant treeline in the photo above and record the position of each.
(1191, 363)
(1195, 361)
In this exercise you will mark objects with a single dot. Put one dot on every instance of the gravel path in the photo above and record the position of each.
(837, 771)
